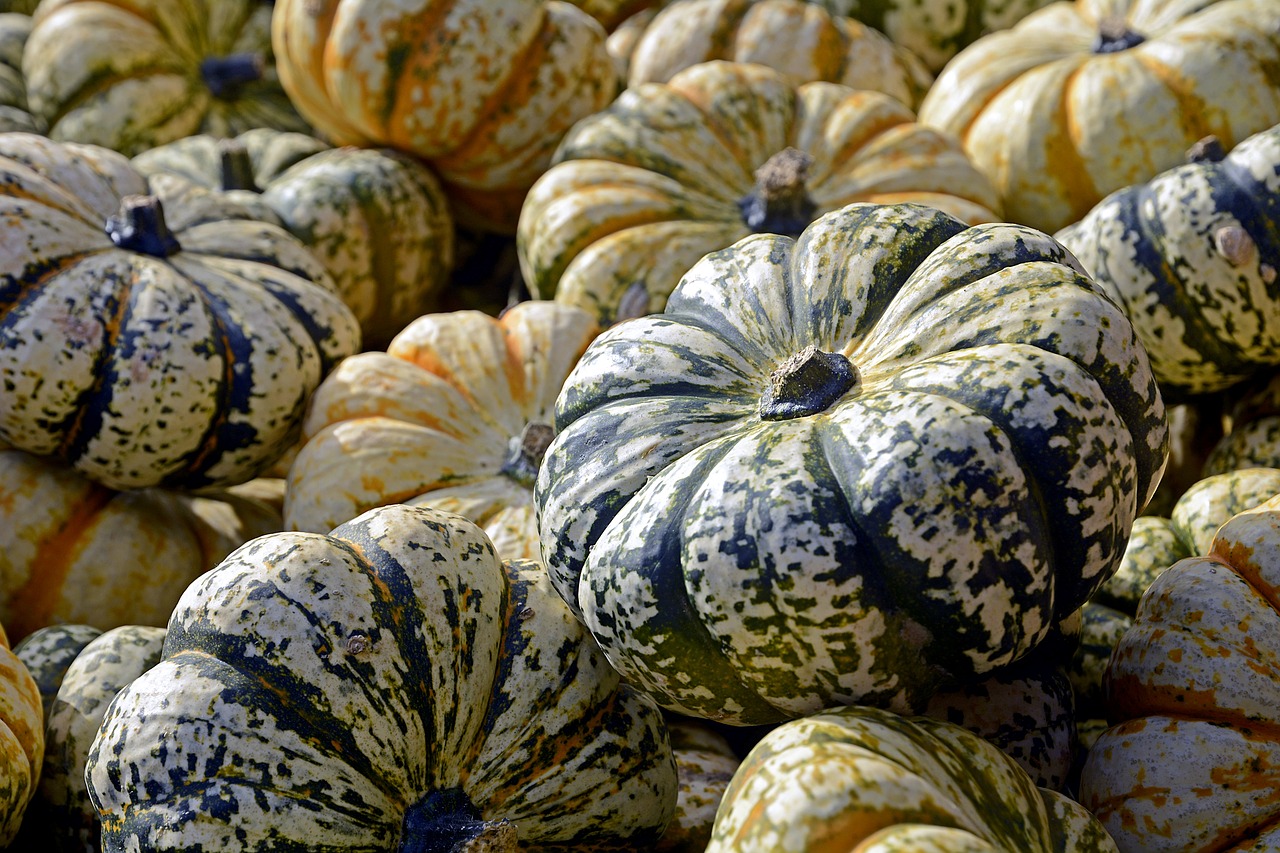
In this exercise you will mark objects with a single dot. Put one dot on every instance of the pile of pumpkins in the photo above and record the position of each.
(626, 425)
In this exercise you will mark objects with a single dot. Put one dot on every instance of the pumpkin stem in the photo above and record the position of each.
(779, 203)
(525, 452)
(807, 383)
(224, 75)
(236, 167)
(1207, 150)
(634, 302)
(447, 822)
(140, 227)
(1114, 35)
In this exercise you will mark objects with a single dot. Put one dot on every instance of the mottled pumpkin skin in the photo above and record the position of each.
(1101, 629)
(1058, 125)
(129, 76)
(15, 114)
(482, 89)
(753, 569)
(642, 190)
(189, 370)
(867, 780)
(437, 421)
(48, 652)
(1193, 690)
(705, 762)
(1193, 256)
(1253, 440)
(1154, 545)
(75, 552)
(394, 661)
(1211, 502)
(61, 815)
(795, 37)
(21, 740)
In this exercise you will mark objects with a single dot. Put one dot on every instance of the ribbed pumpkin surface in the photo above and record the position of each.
(21, 739)
(332, 692)
(745, 549)
(15, 114)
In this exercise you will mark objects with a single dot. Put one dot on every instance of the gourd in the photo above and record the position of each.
(1080, 99)
(798, 38)
(705, 762)
(21, 740)
(151, 333)
(868, 780)
(671, 171)
(377, 219)
(15, 115)
(1192, 693)
(482, 90)
(48, 652)
(824, 474)
(390, 685)
(456, 415)
(130, 76)
(1253, 441)
(1192, 256)
(75, 552)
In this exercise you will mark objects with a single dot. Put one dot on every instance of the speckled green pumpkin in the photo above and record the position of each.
(390, 686)
(1154, 545)
(378, 219)
(1210, 503)
(1253, 440)
(48, 652)
(14, 112)
(1101, 629)
(1193, 256)
(705, 762)
(865, 780)
(850, 467)
(150, 342)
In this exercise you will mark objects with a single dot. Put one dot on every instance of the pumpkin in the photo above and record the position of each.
(868, 780)
(481, 89)
(1101, 629)
(612, 13)
(130, 76)
(1080, 99)
(391, 685)
(1192, 256)
(48, 652)
(705, 762)
(799, 38)
(456, 415)
(14, 111)
(188, 337)
(21, 740)
(1192, 690)
(672, 171)
(61, 814)
(75, 552)
(1154, 545)
(376, 218)
(1253, 441)
(824, 474)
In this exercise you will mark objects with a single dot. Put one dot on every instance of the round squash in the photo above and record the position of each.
(15, 114)
(672, 171)
(1253, 440)
(1080, 99)
(1193, 256)
(377, 219)
(48, 652)
(705, 762)
(1193, 689)
(21, 740)
(849, 468)
(481, 89)
(75, 552)
(391, 685)
(186, 337)
(863, 779)
(455, 415)
(799, 38)
(130, 76)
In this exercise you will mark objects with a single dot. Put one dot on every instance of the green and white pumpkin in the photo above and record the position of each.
(705, 762)
(391, 685)
(150, 342)
(14, 111)
(48, 652)
(850, 467)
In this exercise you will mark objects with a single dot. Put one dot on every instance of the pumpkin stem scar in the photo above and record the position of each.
(447, 821)
(235, 167)
(807, 383)
(1207, 150)
(780, 204)
(224, 75)
(525, 453)
(139, 226)
(1114, 35)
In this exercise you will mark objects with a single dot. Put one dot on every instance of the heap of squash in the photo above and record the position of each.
(675, 425)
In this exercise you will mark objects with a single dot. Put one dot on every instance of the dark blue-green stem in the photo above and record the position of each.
(234, 166)
(225, 75)
(780, 203)
(525, 452)
(140, 227)
(448, 822)
(807, 383)
(1207, 150)
(1114, 35)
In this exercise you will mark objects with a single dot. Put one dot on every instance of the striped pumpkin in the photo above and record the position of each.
(862, 779)
(377, 219)
(389, 686)
(672, 171)
(21, 740)
(130, 76)
(1081, 99)
(799, 38)
(1193, 256)
(455, 415)
(1193, 692)
(481, 89)
(825, 474)
(188, 337)
(75, 552)
(15, 114)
